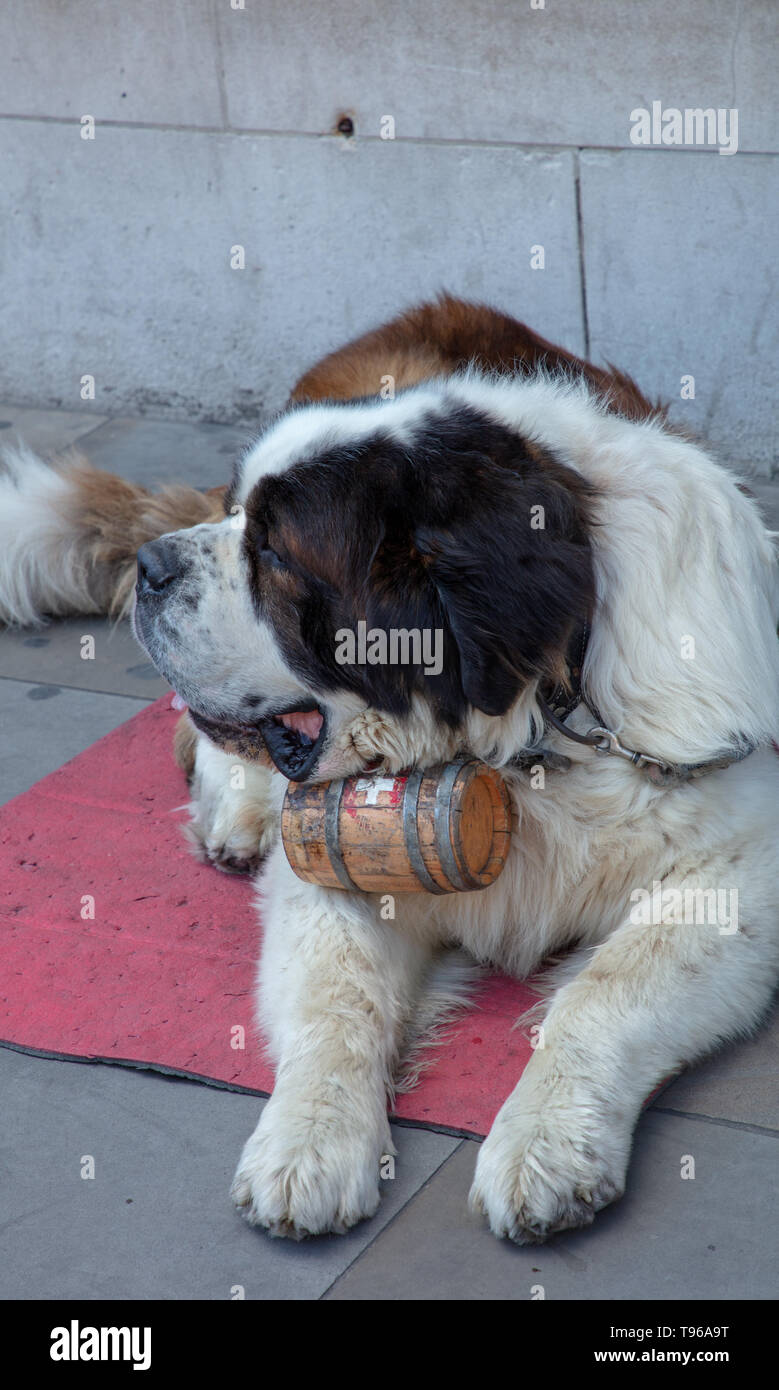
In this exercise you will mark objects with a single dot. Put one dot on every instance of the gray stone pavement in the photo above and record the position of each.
(155, 1222)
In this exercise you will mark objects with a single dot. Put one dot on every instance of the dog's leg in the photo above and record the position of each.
(652, 998)
(234, 818)
(336, 988)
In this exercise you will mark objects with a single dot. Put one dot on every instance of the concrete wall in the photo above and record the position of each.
(215, 127)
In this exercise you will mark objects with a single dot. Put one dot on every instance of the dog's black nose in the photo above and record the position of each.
(158, 566)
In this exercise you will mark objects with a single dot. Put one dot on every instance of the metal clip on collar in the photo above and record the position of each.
(605, 742)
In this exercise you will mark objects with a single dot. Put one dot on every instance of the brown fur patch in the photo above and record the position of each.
(185, 739)
(359, 368)
(110, 519)
(437, 338)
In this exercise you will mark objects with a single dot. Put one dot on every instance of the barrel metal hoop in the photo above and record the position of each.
(460, 879)
(332, 811)
(411, 832)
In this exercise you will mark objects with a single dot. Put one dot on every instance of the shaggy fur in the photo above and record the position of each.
(682, 661)
(71, 533)
(647, 534)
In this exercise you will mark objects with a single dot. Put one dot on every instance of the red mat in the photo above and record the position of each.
(163, 971)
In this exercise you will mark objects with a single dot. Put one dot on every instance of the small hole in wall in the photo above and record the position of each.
(345, 125)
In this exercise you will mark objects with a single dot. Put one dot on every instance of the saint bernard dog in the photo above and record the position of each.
(607, 598)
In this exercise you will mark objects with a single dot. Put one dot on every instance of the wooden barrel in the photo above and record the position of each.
(446, 830)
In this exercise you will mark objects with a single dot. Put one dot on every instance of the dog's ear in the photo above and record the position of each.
(513, 576)
(485, 536)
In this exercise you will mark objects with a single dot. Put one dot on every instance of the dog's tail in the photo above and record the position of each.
(69, 534)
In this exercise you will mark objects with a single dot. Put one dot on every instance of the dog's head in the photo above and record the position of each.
(383, 572)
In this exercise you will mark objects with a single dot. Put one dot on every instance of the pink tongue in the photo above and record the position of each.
(308, 722)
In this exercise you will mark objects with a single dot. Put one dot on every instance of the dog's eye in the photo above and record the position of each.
(269, 557)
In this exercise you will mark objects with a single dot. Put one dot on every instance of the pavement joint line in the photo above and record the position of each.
(392, 1220)
(108, 417)
(714, 1120)
(83, 689)
(94, 428)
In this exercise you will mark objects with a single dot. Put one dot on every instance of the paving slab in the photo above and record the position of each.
(668, 1238)
(667, 298)
(155, 1221)
(48, 432)
(157, 314)
(767, 495)
(549, 73)
(154, 452)
(58, 654)
(740, 1083)
(43, 725)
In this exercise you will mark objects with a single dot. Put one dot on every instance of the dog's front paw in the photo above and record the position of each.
(540, 1173)
(233, 823)
(298, 1178)
(234, 839)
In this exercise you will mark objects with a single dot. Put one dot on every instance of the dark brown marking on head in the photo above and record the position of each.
(437, 535)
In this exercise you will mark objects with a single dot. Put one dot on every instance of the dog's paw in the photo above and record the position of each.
(234, 823)
(235, 840)
(301, 1179)
(537, 1174)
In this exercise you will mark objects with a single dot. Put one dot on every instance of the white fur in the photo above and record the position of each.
(679, 552)
(305, 429)
(232, 822)
(219, 650)
(41, 569)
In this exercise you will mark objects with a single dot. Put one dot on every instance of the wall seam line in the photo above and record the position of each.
(580, 244)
